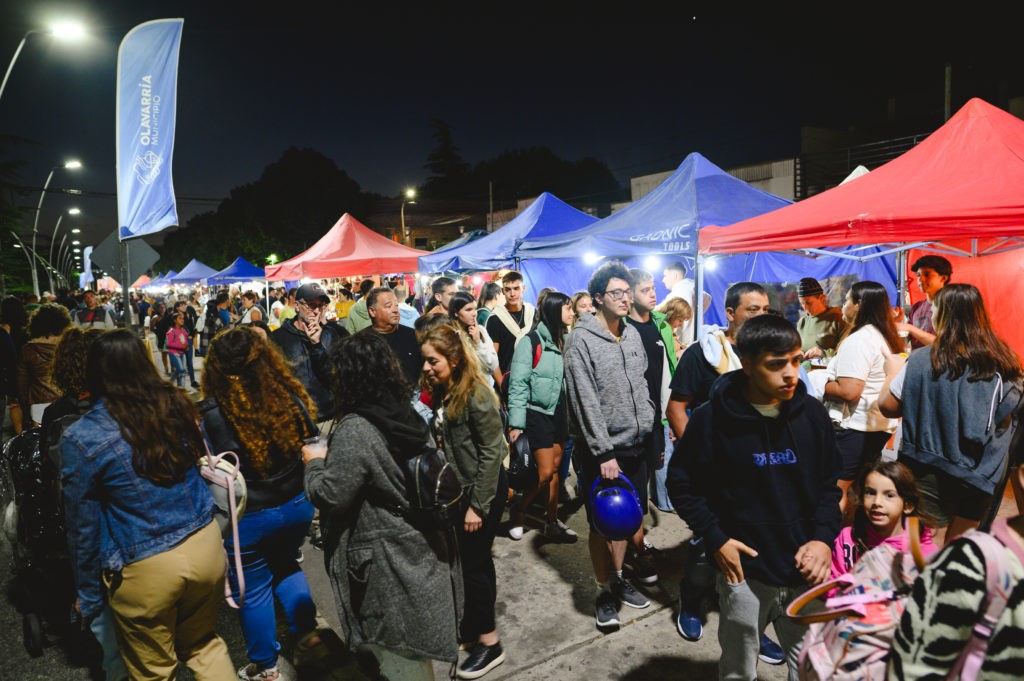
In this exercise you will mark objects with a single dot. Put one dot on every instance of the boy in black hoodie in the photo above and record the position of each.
(755, 475)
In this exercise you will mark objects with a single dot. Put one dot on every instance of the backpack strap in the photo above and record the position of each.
(998, 585)
(211, 474)
(538, 347)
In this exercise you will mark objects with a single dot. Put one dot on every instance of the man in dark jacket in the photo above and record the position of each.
(306, 340)
(755, 475)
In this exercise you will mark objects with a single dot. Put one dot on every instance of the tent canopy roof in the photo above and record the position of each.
(547, 216)
(666, 220)
(240, 270)
(963, 181)
(348, 248)
(193, 272)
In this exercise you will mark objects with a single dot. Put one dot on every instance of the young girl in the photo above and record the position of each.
(884, 493)
(177, 345)
(582, 303)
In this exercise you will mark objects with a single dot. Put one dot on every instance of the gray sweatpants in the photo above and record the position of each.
(745, 610)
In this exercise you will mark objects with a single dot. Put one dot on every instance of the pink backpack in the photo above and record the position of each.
(849, 639)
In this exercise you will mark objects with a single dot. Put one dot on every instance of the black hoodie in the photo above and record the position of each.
(767, 482)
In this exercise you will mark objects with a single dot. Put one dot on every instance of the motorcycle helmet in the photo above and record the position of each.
(615, 507)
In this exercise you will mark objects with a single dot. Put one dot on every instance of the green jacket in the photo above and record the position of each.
(358, 316)
(668, 338)
(534, 387)
(475, 443)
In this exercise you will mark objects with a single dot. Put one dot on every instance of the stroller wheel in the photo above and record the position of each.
(33, 632)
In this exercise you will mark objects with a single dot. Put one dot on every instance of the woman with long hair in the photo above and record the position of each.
(490, 297)
(462, 313)
(394, 584)
(957, 398)
(582, 303)
(469, 428)
(855, 378)
(537, 410)
(35, 363)
(140, 518)
(256, 408)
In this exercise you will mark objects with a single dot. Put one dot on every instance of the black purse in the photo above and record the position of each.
(522, 465)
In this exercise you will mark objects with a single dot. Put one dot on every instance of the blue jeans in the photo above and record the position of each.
(188, 361)
(270, 540)
(177, 369)
(658, 492)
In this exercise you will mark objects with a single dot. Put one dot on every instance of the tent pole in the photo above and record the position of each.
(698, 295)
(901, 280)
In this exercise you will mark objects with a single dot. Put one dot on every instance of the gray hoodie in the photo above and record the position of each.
(606, 388)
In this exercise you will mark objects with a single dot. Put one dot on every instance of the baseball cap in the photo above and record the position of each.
(312, 291)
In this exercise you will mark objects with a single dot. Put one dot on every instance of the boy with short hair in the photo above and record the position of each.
(755, 475)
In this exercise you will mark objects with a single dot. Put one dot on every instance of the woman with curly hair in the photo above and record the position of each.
(140, 525)
(469, 427)
(35, 363)
(256, 408)
(394, 584)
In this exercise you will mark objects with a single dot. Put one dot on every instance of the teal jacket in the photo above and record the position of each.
(538, 388)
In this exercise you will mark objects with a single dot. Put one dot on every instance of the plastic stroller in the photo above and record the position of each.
(34, 524)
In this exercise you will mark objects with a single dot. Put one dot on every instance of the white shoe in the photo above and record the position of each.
(516, 532)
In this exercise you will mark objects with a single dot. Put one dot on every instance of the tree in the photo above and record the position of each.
(450, 174)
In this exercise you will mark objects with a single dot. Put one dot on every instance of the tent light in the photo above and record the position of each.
(652, 263)
(711, 264)
(591, 258)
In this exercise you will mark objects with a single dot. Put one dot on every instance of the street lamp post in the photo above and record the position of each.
(53, 239)
(68, 165)
(64, 31)
(410, 197)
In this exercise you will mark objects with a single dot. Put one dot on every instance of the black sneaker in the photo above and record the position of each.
(627, 594)
(481, 660)
(641, 569)
(607, 610)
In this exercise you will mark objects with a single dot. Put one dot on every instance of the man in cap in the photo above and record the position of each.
(306, 340)
(822, 327)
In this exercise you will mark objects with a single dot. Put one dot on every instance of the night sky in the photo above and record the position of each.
(636, 91)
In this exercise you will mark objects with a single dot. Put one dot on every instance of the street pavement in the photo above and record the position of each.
(545, 617)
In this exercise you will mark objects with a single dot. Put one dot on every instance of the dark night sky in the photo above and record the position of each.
(636, 91)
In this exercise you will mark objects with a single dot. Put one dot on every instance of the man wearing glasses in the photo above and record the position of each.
(511, 321)
(612, 414)
(306, 340)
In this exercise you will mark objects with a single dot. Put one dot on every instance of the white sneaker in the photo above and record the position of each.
(558, 530)
(515, 532)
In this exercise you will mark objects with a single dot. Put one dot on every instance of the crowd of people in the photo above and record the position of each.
(789, 450)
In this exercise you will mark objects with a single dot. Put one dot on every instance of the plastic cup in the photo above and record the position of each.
(317, 444)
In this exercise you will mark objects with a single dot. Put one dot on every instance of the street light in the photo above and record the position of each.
(68, 165)
(62, 31)
(53, 239)
(410, 197)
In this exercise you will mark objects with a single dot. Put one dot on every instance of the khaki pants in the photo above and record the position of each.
(167, 605)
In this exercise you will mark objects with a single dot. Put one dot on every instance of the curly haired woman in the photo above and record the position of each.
(256, 408)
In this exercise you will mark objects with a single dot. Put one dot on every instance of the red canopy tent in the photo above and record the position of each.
(960, 192)
(349, 248)
(963, 182)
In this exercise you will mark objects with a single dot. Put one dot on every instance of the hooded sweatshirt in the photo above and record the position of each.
(604, 376)
(767, 482)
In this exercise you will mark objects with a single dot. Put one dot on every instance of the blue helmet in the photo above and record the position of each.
(615, 509)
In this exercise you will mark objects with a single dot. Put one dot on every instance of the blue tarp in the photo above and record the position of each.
(161, 280)
(662, 226)
(240, 270)
(192, 273)
(546, 217)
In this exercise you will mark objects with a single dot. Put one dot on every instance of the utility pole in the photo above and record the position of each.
(490, 198)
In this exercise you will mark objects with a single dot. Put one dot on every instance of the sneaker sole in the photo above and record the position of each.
(637, 606)
(480, 672)
(770, 660)
(607, 623)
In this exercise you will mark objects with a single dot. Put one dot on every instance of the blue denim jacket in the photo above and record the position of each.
(114, 516)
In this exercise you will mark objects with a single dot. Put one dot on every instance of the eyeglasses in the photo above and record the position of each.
(313, 304)
(619, 293)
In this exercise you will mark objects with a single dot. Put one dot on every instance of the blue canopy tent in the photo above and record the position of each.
(468, 237)
(547, 216)
(662, 226)
(192, 273)
(161, 280)
(240, 270)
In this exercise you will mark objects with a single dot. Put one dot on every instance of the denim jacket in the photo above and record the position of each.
(114, 516)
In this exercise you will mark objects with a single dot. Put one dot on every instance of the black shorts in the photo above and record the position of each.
(633, 467)
(544, 431)
(857, 448)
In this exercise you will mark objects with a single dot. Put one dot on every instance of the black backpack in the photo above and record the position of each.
(437, 500)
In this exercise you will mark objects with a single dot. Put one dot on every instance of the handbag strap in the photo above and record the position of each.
(210, 472)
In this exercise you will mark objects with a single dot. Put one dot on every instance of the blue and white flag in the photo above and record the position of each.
(86, 275)
(147, 84)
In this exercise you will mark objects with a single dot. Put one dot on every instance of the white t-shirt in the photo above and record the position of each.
(860, 356)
